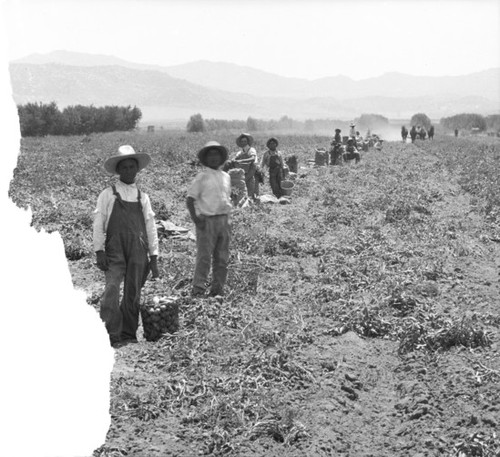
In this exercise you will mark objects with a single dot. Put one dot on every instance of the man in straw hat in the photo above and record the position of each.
(247, 159)
(124, 234)
(209, 204)
(352, 130)
(273, 160)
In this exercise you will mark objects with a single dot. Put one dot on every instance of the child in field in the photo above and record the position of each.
(273, 160)
(337, 138)
(247, 159)
(123, 236)
(209, 205)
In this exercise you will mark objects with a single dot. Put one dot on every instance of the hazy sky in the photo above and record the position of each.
(308, 39)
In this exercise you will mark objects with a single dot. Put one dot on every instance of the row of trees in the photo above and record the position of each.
(465, 121)
(196, 123)
(39, 119)
(468, 121)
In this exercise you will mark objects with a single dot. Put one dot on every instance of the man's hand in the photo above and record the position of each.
(200, 221)
(102, 261)
(153, 266)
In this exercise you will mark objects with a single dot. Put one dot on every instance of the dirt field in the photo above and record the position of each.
(361, 320)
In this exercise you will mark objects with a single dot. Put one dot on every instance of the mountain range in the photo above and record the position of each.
(228, 91)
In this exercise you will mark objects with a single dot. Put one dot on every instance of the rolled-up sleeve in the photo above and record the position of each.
(151, 230)
(99, 228)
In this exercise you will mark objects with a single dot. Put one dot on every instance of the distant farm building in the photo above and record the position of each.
(151, 128)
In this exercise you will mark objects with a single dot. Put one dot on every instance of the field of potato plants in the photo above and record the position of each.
(360, 320)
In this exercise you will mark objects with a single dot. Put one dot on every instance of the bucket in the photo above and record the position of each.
(287, 187)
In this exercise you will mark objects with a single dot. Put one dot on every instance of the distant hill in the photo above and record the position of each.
(237, 78)
(231, 91)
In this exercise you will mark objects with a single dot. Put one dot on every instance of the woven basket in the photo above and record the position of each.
(159, 317)
(244, 277)
(287, 187)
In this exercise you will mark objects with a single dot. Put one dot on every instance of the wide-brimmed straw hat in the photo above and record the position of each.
(353, 124)
(126, 152)
(272, 139)
(247, 136)
(202, 153)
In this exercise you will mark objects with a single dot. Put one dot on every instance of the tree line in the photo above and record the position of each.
(41, 119)
(464, 121)
(468, 121)
(196, 123)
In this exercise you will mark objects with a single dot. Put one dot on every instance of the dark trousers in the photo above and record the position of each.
(275, 181)
(212, 248)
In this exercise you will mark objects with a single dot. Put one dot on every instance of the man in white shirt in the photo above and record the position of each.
(209, 204)
(124, 235)
(352, 130)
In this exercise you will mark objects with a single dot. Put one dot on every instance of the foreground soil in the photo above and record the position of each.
(349, 328)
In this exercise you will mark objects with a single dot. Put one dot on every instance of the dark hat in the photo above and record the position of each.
(247, 136)
(338, 130)
(202, 153)
(272, 139)
(126, 152)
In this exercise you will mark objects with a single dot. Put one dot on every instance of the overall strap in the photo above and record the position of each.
(117, 195)
(139, 198)
(120, 200)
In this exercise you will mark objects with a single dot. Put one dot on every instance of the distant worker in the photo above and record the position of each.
(337, 138)
(336, 152)
(456, 133)
(404, 133)
(247, 159)
(273, 160)
(352, 130)
(378, 144)
(351, 151)
(413, 133)
(431, 132)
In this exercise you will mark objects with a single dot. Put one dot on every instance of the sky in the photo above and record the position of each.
(297, 38)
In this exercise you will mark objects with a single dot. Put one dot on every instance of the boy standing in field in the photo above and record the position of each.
(124, 234)
(247, 159)
(337, 138)
(273, 160)
(209, 204)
